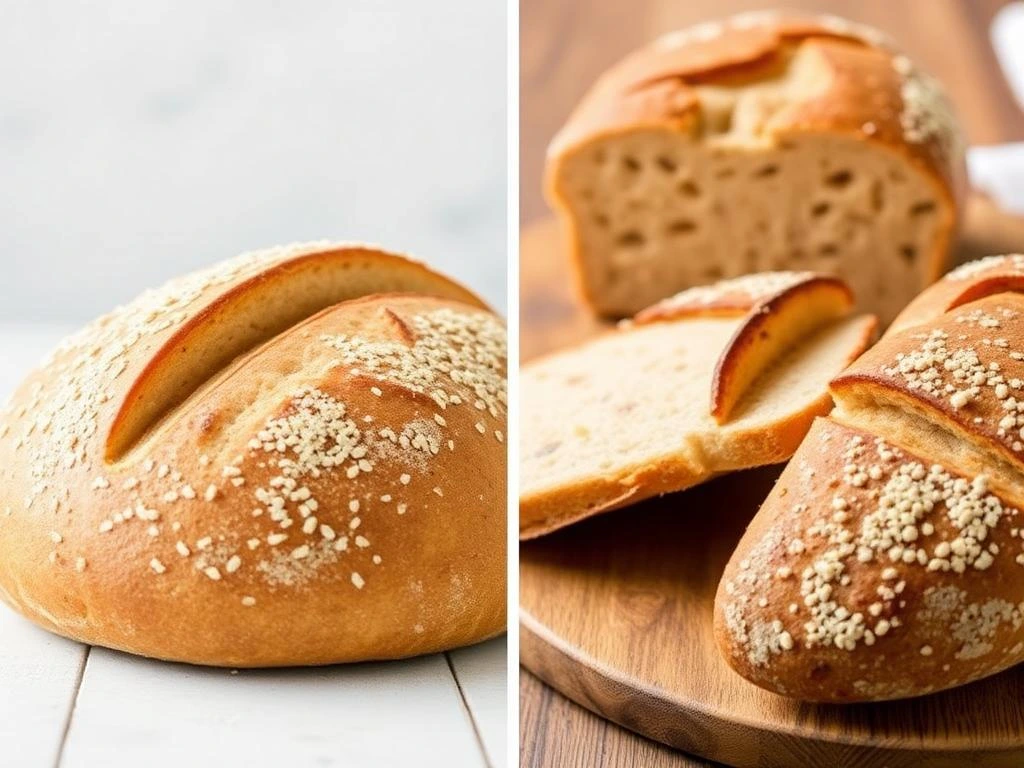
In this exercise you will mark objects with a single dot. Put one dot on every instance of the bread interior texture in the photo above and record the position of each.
(641, 398)
(657, 210)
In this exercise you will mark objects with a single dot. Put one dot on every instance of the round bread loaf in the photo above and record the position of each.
(294, 457)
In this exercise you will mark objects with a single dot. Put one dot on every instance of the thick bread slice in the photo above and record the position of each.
(888, 561)
(263, 464)
(766, 142)
(630, 414)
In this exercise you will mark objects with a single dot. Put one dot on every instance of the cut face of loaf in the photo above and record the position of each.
(888, 560)
(772, 145)
(656, 212)
(632, 414)
(262, 464)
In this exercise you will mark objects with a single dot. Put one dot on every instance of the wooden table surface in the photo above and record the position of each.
(565, 44)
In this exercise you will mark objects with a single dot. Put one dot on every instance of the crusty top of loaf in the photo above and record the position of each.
(283, 357)
(864, 88)
(969, 282)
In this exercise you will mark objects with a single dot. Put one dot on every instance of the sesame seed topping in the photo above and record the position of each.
(157, 566)
(357, 580)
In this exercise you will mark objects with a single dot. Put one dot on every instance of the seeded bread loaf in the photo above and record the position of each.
(712, 380)
(264, 463)
(888, 561)
(768, 141)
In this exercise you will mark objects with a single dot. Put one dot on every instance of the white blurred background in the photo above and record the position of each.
(139, 140)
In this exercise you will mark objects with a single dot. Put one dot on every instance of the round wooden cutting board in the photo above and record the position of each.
(616, 611)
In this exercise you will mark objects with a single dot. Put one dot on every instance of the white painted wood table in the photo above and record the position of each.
(69, 705)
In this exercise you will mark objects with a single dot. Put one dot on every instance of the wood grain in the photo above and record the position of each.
(566, 44)
(616, 614)
(616, 611)
(584, 738)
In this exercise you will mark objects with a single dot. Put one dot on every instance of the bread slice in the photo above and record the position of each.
(767, 142)
(713, 380)
(888, 561)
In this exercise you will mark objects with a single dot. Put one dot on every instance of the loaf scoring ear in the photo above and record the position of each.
(779, 309)
(243, 313)
(969, 282)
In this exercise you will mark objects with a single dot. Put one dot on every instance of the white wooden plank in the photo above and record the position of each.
(482, 673)
(39, 674)
(133, 712)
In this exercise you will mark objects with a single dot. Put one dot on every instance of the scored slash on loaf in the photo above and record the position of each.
(888, 561)
(767, 141)
(712, 380)
(264, 464)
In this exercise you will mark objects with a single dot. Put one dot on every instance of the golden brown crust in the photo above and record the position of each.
(872, 94)
(967, 283)
(865, 97)
(905, 503)
(814, 605)
(305, 502)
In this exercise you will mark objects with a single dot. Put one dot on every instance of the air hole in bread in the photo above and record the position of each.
(717, 118)
(601, 219)
(600, 156)
(877, 196)
(630, 163)
(923, 208)
(547, 449)
(909, 253)
(767, 171)
(667, 164)
(839, 179)
(681, 227)
(725, 173)
(750, 255)
(820, 209)
(797, 255)
(712, 273)
(688, 188)
(632, 238)
(829, 250)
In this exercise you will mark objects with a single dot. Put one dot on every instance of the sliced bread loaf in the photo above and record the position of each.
(766, 142)
(713, 380)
